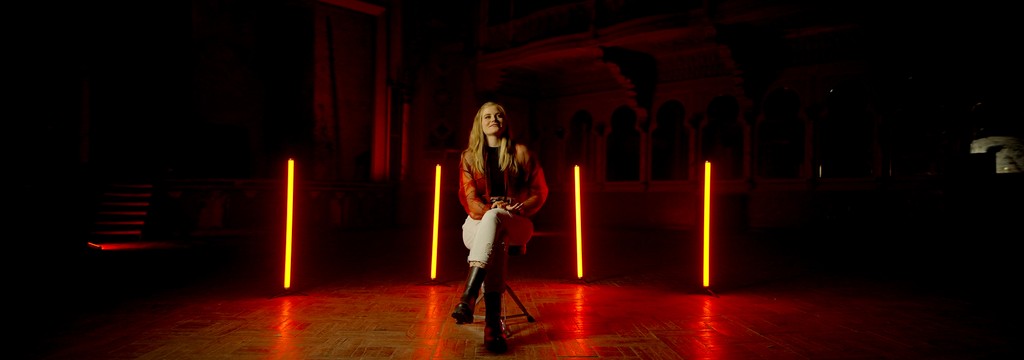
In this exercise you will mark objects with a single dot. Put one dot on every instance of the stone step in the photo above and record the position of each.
(121, 212)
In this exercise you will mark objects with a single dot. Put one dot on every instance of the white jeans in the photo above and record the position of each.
(480, 237)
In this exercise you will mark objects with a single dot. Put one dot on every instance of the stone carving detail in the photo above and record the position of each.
(693, 66)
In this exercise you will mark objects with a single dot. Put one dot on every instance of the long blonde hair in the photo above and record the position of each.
(477, 142)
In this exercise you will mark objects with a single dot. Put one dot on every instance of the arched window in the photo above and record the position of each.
(670, 144)
(845, 137)
(780, 136)
(581, 145)
(623, 151)
(917, 136)
(722, 138)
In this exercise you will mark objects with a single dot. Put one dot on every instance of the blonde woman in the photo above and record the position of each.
(501, 186)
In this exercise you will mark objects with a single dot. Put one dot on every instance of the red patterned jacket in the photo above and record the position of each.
(527, 187)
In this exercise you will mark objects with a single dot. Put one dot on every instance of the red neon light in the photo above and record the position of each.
(579, 226)
(707, 223)
(437, 211)
(288, 226)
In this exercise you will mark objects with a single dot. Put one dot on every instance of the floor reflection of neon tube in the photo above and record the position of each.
(428, 329)
(577, 311)
(431, 326)
(284, 347)
(709, 337)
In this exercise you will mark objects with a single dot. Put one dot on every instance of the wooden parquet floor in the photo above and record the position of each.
(368, 295)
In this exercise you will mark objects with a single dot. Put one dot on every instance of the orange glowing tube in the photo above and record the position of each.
(288, 226)
(707, 223)
(437, 211)
(579, 226)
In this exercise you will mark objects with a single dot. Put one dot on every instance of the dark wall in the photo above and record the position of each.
(202, 89)
(144, 90)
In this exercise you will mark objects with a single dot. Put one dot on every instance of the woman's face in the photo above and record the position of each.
(492, 121)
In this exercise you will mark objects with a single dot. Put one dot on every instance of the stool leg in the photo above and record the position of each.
(519, 303)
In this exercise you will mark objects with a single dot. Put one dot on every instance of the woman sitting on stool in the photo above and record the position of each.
(501, 186)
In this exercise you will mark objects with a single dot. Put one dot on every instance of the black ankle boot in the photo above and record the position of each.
(494, 332)
(463, 312)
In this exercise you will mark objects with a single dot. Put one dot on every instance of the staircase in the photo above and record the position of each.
(121, 213)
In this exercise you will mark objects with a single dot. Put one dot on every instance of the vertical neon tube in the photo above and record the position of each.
(579, 226)
(288, 226)
(707, 223)
(437, 211)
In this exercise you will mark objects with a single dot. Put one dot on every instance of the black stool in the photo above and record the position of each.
(514, 250)
(517, 250)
